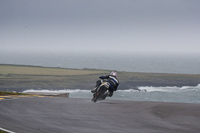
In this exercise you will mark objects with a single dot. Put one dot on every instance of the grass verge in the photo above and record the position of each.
(3, 93)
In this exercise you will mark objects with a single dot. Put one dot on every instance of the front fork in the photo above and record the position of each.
(107, 85)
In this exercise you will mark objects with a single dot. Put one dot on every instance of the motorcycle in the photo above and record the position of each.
(101, 92)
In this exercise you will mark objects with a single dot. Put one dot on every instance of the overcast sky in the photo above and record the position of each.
(94, 25)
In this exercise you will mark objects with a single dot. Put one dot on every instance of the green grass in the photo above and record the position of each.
(2, 131)
(16, 77)
(7, 70)
(32, 77)
(3, 93)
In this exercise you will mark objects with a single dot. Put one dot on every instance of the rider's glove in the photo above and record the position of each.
(101, 77)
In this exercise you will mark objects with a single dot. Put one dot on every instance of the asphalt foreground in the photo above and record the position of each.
(69, 115)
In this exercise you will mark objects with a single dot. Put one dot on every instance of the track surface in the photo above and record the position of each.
(68, 115)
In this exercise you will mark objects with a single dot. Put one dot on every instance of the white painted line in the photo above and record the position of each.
(6, 130)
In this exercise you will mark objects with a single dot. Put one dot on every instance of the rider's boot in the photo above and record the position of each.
(98, 83)
(94, 90)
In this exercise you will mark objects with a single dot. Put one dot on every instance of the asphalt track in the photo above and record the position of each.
(68, 115)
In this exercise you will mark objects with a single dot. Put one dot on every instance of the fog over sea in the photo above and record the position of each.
(135, 62)
(140, 62)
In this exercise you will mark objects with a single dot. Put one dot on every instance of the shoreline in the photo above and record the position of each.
(21, 77)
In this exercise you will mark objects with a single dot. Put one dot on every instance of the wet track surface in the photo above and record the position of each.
(68, 115)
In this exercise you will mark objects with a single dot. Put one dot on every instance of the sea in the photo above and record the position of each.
(185, 94)
(134, 62)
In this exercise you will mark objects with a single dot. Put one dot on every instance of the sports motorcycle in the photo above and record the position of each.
(101, 92)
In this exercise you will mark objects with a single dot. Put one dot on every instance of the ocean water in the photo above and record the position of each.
(185, 94)
(135, 62)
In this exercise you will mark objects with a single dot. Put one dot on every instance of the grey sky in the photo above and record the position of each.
(108, 25)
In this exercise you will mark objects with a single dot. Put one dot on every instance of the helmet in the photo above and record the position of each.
(113, 73)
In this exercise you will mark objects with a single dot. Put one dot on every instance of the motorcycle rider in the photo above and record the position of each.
(112, 79)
